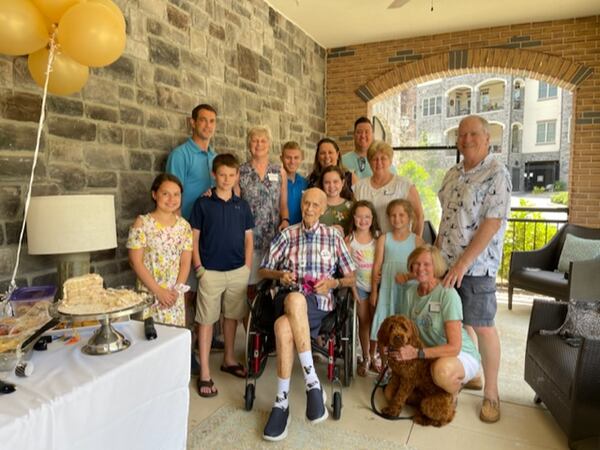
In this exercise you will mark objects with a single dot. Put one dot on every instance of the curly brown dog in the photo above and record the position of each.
(411, 381)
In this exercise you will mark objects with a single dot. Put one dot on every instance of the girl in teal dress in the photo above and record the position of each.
(390, 265)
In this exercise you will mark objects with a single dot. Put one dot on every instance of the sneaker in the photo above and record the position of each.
(474, 384)
(276, 428)
(315, 405)
(490, 411)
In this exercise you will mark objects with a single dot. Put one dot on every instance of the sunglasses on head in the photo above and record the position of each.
(362, 163)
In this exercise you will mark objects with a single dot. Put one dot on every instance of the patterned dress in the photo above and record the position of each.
(338, 215)
(263, 196)
(163, 247)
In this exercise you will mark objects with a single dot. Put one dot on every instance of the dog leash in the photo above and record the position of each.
(374, 408)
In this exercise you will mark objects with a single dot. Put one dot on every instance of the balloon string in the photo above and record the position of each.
(13, 284)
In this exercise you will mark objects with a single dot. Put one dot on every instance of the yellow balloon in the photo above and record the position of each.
(91, 34)
(22, 27)
(114, 8)
(54, 9)
(66, 77)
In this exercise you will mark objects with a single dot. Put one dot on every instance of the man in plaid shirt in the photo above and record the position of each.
(307, 256)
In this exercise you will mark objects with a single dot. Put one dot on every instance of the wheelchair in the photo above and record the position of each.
(338, 331)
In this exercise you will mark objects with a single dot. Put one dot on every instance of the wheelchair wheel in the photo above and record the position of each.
(348, 345)
(249, 397)
(337, 405)
(255, 348)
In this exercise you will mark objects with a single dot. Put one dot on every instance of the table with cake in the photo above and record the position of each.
(135, 398)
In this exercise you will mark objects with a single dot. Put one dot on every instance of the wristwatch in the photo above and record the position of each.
(421, 353)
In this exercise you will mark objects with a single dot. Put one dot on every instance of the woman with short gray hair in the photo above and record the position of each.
(384, 186)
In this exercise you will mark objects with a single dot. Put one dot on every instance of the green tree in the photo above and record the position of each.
(426, 187)
(524, 233)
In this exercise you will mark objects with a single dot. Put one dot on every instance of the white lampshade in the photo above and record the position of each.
(62, 224)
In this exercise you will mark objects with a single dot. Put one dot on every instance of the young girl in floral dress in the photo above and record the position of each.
(338, 206)
(160, 251)
(391, 256)
(361, 239)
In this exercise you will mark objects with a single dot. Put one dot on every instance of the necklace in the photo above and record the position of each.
(379, 184)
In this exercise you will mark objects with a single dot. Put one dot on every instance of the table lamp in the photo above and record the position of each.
(70, 227)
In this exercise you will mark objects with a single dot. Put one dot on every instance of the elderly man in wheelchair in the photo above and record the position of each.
(305, 256)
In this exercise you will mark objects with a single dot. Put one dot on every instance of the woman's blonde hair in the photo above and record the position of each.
(261, 129)
(439, 265)
(380, 147)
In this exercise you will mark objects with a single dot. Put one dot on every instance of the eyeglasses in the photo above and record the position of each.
(362, 163)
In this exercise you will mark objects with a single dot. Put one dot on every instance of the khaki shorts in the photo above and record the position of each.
(231, 286)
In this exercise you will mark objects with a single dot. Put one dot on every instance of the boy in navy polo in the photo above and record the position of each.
(222, 255)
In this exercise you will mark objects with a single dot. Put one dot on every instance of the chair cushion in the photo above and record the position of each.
(544, 282)
(556, 358)
(577, 249)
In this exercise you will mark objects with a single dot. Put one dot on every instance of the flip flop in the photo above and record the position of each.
(236, 370)
(206, 384)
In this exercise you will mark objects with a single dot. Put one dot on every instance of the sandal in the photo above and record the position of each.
(237, 370)
(206, 384)
(363, 366)
(375, 365)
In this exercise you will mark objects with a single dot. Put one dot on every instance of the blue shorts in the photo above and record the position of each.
(362, 294)
(478, 295)
(315, 315)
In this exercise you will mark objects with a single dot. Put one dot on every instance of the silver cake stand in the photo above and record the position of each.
(105, 339)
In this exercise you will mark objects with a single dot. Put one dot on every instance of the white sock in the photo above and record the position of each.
(283, 389)
(308, 369)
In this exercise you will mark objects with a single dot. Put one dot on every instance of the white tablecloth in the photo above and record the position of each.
(134, 399)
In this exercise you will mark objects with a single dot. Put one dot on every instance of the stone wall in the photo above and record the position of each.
(563, 52)
(114, 136)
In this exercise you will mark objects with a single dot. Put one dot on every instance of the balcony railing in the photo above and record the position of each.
(530, 228)
(456, 112)
(492, 104)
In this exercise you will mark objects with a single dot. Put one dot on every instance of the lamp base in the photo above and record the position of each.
(71, 265)
(105, 340)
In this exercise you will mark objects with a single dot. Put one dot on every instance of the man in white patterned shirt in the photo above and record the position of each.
(307, 255)
(475, 199)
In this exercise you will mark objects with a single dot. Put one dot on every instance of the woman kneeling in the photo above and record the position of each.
(437, 314)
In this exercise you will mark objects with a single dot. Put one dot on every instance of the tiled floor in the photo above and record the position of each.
(521, 427)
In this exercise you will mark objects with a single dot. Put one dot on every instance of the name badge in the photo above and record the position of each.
(435, 307)
(325, 254)
(273, 177)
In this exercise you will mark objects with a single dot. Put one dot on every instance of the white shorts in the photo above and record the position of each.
(470, 366)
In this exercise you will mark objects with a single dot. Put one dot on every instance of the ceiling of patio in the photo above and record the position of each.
(337, 23)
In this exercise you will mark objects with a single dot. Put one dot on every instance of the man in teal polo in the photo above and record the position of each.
(191, 162)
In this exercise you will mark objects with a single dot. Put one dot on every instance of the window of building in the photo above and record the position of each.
(546, 90)
(546, 132)
(432, 106)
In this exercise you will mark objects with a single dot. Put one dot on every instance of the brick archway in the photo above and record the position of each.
(553, 69)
